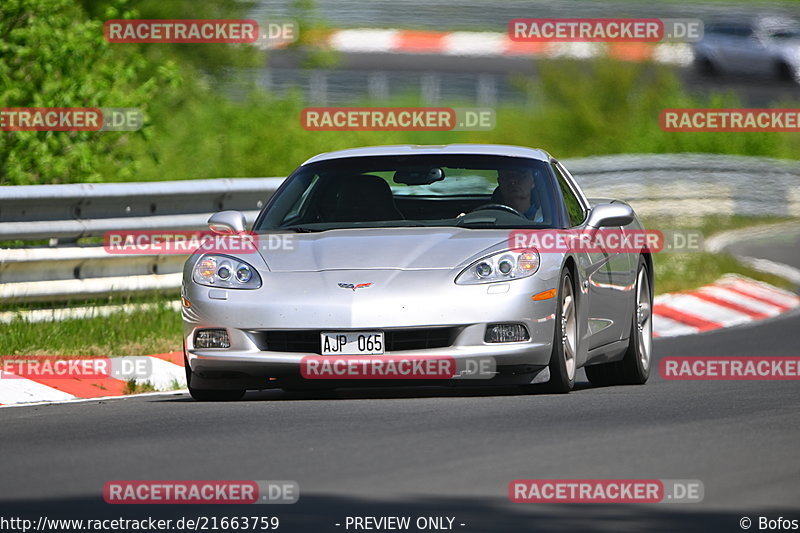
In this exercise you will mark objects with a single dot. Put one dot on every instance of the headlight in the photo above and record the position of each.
(502, 266)
(214, 270)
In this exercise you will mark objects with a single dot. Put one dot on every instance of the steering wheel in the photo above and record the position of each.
(501, 207)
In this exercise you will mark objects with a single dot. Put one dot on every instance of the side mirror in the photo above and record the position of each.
(228, 223)
(604, 215)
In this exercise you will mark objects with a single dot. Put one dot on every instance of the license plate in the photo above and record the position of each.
(352, 342)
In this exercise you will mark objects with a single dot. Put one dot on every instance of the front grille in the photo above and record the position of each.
(418, 339)
(308, 340)
(291, 341)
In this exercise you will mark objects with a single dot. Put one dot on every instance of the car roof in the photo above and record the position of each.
(448, 149)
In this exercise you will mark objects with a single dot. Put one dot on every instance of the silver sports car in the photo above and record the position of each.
(393, 253)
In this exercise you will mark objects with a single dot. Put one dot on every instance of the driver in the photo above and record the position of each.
(516, 189)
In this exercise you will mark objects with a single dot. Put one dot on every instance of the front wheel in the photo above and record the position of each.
(563, 360)
(786, 72)
(209, 395)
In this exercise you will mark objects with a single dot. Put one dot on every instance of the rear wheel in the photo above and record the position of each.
(209, 395)
(563, 361)
(634, 368)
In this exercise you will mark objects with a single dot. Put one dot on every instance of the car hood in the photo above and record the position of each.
(383, 248)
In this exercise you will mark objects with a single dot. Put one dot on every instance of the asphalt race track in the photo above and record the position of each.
(435, 452)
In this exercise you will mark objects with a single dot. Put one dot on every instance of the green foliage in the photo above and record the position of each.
(605, 107)
(313, 29)
(155, 330)
(208, 58)
(52, 56)
(52, 53)
(580, 110)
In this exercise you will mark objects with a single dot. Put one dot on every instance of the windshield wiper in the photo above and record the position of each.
(477, 221)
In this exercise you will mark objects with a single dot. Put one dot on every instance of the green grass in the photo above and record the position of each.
(682, 272)
(156, 330)
(133, 387)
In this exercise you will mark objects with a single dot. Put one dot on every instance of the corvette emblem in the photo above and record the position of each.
(354, 287)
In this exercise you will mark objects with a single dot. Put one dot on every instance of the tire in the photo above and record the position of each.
(785, 72)
(209, 395)
(634, 368)
(705, 67)
(563, 362)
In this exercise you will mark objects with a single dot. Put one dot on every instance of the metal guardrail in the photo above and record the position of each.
(693, 184)
(656, 185)
(61, 214)
(33, 212)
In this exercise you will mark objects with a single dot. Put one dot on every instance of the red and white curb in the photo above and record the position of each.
(166, 372)
(731, 301)
(493, 44)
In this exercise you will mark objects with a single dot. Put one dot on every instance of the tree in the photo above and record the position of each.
(53, 55)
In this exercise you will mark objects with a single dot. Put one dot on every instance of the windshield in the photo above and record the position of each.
(471, 191)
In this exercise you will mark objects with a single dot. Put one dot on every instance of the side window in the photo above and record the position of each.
(574, 208)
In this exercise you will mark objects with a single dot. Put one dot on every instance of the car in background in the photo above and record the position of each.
(763, 47)
(405, 251)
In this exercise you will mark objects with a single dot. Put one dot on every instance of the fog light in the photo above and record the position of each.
(506, 333)
(211, 338)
